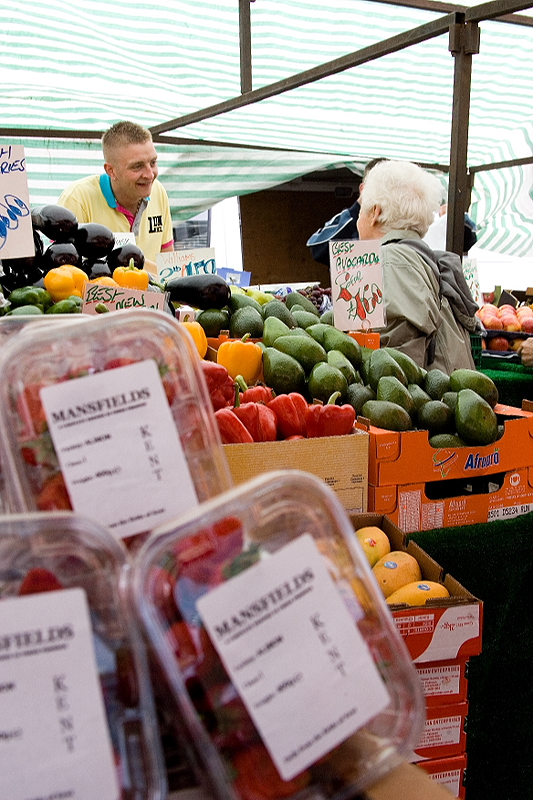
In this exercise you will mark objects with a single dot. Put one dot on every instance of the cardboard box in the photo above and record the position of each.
(404, 458)
(448, 772)
(341, 461)
(444, 682)
(444, 733)
(443, 629)
(410, 508)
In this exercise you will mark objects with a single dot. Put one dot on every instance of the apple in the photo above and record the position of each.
(515, 344)
(527, 323)
(498, 343)
(492, 322)
(506, 307)
(510, 322)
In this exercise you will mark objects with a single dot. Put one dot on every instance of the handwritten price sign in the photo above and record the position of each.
(356, 285)
(178, 263)
(16, 233)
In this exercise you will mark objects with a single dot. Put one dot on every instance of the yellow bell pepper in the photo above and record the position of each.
(64, 281)
(131, 277)
(241, 357)
(105, 280)
(198, 336)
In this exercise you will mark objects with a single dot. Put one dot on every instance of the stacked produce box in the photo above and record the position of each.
(441, 633)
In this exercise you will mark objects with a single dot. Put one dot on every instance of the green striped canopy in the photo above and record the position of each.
(70, 66)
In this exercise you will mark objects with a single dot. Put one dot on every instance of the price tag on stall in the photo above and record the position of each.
(178, 263)
(99, 298)
(357, 284)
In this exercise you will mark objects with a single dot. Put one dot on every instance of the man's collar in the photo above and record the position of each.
(107, 191)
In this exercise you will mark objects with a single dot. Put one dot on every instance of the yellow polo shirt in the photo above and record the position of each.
(91, 199)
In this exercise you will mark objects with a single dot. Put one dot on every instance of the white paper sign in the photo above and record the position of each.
(357, 284)
(54, 737)
(16, 232)
(178, 263)
(97, 298)
(470, 272)
(118, 448)
(124, 237)
(295, 655)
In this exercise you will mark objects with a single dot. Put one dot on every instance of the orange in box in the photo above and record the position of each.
(444, 682)
(443, 629)
(448, 772)
(444, 733)
(407, 457)
(409, 507)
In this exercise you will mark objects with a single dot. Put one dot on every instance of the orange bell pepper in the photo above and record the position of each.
(131, 277)
(241, 357)
(198, 336)
(64, 281)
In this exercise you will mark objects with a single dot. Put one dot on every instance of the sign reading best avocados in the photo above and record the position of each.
(356, 284)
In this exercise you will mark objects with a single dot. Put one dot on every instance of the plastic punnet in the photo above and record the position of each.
(68, 702)
(121, 475)
(282, 658)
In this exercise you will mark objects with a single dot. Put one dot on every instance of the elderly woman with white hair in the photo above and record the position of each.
(429, 308)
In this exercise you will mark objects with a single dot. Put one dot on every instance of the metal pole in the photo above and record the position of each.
(245, 43)
(464, 42)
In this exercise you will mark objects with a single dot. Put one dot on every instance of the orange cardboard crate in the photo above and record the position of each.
(444, 682)
(448, 772)
(444, 733)
(407, 457)
(410, 508)
(444, 629)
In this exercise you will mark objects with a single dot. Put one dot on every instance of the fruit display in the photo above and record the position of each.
(397, 572)
(506, 327)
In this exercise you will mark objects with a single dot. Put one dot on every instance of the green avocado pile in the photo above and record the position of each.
(457, 410)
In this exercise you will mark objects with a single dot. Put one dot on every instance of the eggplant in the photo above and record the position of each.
(56, 222)
(199, 291)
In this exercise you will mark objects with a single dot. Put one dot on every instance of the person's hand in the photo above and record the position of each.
(526, 352)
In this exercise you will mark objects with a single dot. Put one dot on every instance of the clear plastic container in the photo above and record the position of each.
(287, 671)
(94, 370)
(51, 566)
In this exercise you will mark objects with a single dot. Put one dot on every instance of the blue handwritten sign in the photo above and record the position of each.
(16, 233)
(357, 284)
(179, 263)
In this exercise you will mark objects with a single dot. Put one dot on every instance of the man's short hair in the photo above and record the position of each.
(122, 133)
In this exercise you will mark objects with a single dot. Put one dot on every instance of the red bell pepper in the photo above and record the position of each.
(291, 412)
(330, 419)
(232, 430)
(257, 394)
(259, 419)
(39, 580)
(219, 384)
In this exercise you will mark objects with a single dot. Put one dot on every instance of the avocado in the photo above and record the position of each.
(303, 318)
(477, 381)
(237, 301)
(277, 308)
(450, 398)
(339, 360)
(418, 394)
(303, 348)
(213, 320)
(327, 317)
(412, 371)
(317, 331)
(246, 320)
(475, 420)
(441, 440)
(436, 417)
(334, 339)
(282, 372)
(357, 395)
(272, 328)
(297, 298)
(384, 414)
(380, 364)
(436, 383)
(391, 389)
(324, 380)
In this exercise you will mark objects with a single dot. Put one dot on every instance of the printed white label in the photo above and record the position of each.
(440, 732)
(54, 738)
(119, 449)
(440, 680)
(295, 655)
(507, 512)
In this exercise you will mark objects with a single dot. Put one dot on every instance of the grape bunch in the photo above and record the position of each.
(320, 297)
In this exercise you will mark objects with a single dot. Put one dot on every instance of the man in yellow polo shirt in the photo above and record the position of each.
(127, 196)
